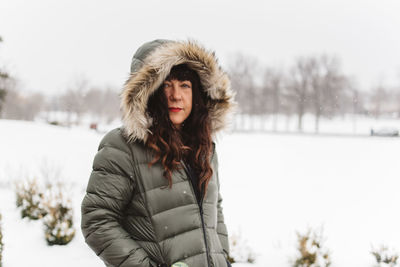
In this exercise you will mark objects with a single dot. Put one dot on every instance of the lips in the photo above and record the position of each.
(174, 109)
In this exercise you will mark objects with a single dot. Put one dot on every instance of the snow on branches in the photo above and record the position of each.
(50, 204)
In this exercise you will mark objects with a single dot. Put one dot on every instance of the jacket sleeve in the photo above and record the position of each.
(109, 191)
(221, 227)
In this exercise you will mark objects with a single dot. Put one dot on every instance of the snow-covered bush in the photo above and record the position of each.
(385, 257)
(30, 199)
(311, 250)
(58, 222)
(239, 249)
(49, 204)
(1, 244)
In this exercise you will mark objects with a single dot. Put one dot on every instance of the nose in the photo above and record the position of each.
(176, 92)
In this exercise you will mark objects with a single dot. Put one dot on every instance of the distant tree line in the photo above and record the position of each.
(311, 85)
(78, 101)
(98, 104)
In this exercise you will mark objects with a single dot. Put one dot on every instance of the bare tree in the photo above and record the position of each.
(22, 105)
(318, 86)
(12, 103)
(397, 99)
(34, 103)
(328, 87)
(111, 102)
(299, 87)
(94, 101)
(15, 104)
(72, 101)
(272, 97)
(379, 96)
(102, 103)
(355, 107)
(3, 85)
(3, 89)
(397, 96)
(242, 70)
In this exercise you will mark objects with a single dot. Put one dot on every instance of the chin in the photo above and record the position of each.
(177, 121)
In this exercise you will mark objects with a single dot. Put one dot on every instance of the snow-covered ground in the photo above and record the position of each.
(346, 125)
(273, 185)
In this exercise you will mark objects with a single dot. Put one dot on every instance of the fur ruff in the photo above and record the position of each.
(156, 67)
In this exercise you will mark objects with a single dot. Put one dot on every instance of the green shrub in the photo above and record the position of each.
(58, 222)
(311, 250)
(55, 123)
(30, 199)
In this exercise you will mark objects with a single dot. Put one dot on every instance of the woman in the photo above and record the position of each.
(153, 195)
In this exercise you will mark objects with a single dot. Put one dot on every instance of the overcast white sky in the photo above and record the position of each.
(49, 43)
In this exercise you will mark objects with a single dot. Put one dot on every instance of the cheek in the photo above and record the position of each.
(190, 98)
(166, 93)
(190, 102)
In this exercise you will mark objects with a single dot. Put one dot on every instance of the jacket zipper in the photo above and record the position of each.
(200, 205)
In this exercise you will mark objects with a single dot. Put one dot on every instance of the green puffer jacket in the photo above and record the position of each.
(130, 217)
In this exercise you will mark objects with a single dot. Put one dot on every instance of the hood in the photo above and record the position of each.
(152, 63)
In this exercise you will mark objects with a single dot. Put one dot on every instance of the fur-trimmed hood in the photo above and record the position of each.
(152, 63)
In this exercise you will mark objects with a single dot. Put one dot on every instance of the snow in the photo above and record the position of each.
(272, 184)
(345, 125)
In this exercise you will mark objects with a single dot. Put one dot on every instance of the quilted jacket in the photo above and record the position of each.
(130, 217)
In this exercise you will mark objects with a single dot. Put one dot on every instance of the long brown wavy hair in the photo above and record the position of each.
(192, 144)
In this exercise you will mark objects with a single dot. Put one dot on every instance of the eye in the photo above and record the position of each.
(165, 85)
(186, 85)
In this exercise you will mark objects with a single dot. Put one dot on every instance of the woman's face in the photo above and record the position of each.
(179, 96)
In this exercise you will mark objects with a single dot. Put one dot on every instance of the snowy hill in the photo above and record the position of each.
(273, 185)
